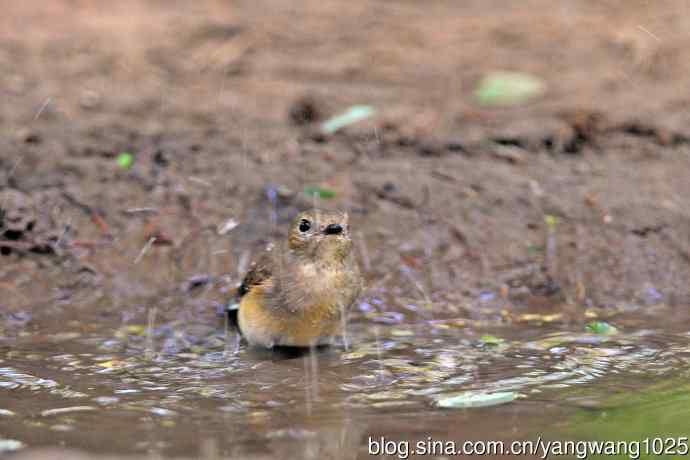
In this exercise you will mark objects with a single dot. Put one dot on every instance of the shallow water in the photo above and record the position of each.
(174, 381)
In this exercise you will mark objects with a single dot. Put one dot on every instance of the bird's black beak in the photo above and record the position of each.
(333, 229)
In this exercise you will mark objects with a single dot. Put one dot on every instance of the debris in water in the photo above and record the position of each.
(508, 88)
(491, 340)
(352, 115)
(402, 333)
(113, 364)
(601, 328)
(127, 391)
(106, 400)
(132, 329)
(161, 412)
(62, 427)
(474, 399)
(10, 445)
(66, 410)
(536, 317)
(125, 160)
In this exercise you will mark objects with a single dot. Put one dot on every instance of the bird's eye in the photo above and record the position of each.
(304, 225)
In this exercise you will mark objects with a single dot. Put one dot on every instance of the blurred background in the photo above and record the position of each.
(486, 117)
(513, 170)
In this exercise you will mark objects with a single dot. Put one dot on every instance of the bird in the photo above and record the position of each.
(297, 292)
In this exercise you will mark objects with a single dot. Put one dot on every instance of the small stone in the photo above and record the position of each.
(89, 100)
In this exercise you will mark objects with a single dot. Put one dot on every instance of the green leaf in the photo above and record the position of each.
(601, 328)
(508, 88)
(551, 221)
(125, 160)
(491, 340)
(476, 399)
(319, 192)
(352, 115)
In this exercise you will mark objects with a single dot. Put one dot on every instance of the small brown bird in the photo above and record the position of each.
(297, 292)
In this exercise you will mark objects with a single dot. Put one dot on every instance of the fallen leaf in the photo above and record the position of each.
(601, 328)
(476, 399)
(508, 88)
(319, 192)
(125, 160)
(491, 340)
(352, 115)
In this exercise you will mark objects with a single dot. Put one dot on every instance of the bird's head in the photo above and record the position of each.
(321, 235)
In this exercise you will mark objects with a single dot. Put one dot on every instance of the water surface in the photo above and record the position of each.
(175, 382)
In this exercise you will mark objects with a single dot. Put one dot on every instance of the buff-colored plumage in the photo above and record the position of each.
(297, 292)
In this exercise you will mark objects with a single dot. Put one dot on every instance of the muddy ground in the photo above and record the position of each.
(202, 95)
(574, 201)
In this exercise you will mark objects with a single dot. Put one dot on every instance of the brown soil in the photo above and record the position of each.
(219, 103)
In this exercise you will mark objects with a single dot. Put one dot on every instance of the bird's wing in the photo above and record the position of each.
(259, 272)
